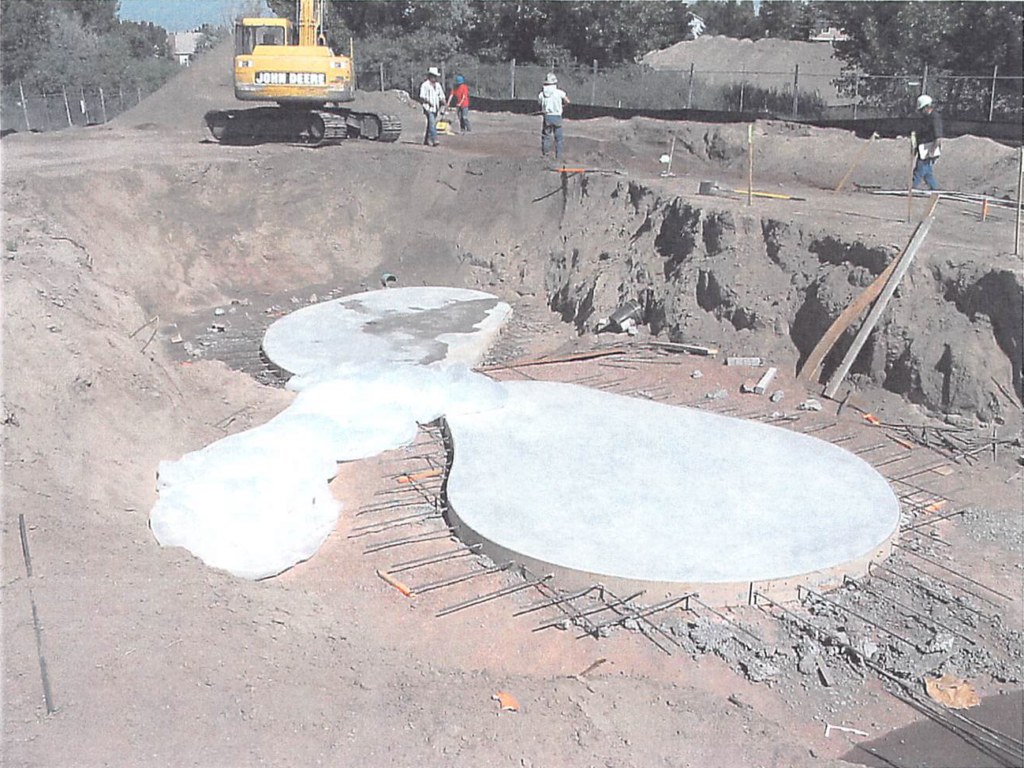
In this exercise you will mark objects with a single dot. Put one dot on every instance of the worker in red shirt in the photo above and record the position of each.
(460, 95)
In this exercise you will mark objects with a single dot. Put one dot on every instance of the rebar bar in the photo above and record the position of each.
(461, 551)
(433, 535)
(956, 573)
(465, 576)
(493, 595)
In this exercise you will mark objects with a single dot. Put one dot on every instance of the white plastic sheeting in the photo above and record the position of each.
(256, 503)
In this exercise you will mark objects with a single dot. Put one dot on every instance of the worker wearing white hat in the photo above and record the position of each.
(432, 99)
(551, 99)
(929, 142)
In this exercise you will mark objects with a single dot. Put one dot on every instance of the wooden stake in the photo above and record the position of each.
(858, 161)
(984, 210)
(851, 313)
(880, 305)
(750, 164)
(910, 181)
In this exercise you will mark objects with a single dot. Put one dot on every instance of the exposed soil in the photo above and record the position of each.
(155, 659)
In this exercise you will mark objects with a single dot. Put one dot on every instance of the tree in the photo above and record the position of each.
(52, 43)
(730, 18)
(958, 38)
(785, 19)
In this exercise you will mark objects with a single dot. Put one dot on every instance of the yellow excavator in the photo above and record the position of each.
(277, 61)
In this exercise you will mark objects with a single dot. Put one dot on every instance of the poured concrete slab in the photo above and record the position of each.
(399, 325)
(600, 487)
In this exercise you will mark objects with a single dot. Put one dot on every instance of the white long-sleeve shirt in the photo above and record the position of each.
(431, 96)
(550, 100)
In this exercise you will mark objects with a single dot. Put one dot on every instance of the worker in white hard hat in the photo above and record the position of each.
(551, 99)
(432, 99)
(929, 142)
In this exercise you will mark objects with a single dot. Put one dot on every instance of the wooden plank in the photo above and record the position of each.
(880, 305)
(851, 313)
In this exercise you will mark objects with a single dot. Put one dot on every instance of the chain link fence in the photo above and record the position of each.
(54, 110)
(992, 98)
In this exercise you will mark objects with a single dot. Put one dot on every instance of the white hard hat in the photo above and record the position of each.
(550, 79)
(924, 100)
(433, 71)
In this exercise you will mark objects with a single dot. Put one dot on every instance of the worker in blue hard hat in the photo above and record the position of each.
(460, 95)
(929, 142)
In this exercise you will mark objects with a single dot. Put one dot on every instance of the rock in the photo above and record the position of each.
(696, 375)
(219, 311)
(809, 405)
(759, 671)
(777, 396)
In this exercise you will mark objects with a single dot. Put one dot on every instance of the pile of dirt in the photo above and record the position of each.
(209, 84)
(721, 60)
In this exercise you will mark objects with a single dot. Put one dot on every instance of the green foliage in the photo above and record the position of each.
(52, 43)
(772, 100)
(786, 20)
(610, 31)
(962, 38)
(731, 18)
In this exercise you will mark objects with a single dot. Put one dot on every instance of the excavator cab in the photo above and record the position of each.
(252, 32)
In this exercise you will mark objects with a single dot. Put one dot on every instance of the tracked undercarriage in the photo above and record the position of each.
(316, 127)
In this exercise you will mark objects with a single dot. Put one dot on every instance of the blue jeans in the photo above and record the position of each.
(923, 173)
(430, 137)
(552, 127)
(464, 119)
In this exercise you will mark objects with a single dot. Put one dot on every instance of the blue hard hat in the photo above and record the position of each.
(459, 79)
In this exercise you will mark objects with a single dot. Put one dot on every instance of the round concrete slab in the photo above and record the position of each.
(398, 325)
(602, 487)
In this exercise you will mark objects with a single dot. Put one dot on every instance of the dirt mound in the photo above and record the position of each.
(209, 84)
(720, 59)
(181, 103)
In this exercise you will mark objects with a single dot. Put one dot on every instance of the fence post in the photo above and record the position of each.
(67, 107)
(85, 107)
(512, 77)
(743, 82)
(46, 111)
(689, 89)
(24, 107)
(856, 93)
(1020, 202)
(103, 105)
(924, 80)
(120, 96)
(138, 95)
(992, 101)
(444, 79)
(382, 77)
(796, 81)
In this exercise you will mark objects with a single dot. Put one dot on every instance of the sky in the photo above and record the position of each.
(181, 15)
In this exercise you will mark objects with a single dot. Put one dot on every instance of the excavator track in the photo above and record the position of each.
(315, 127)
